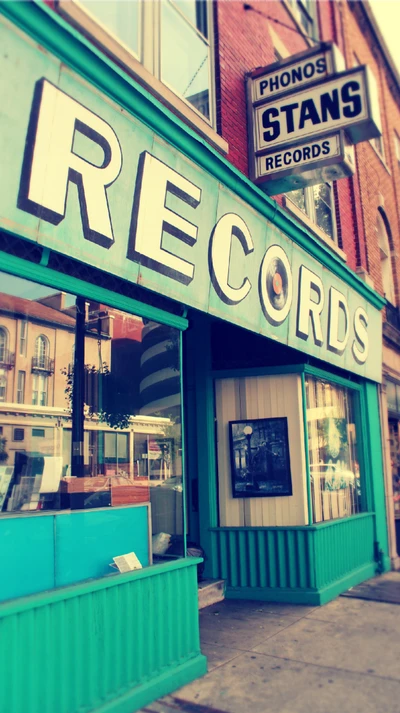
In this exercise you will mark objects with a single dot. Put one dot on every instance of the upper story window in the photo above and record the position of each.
(3, 344)
(383, 233)
(397, 147)
(377, 143)
(304, 12)
(41, 351)
(168, 38)
(317, 202)
(22, 338)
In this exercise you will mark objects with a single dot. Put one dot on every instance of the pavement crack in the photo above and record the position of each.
(326, 666)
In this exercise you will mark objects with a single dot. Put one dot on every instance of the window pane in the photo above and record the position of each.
(332, 445)
(323, 207)
(196, 13)
(298, 198)
(184, 59)
(391, 392)
(121, 18)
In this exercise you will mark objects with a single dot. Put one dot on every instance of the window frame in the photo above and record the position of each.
(385, 255)
(145, 67)
(3, 388)
(397, 147)
(298, 10)
(309, 214)
(3, 343)
(21, 379)
(40, 380)
(358, 391)
(23, 337)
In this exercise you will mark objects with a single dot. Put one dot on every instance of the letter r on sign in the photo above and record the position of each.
(51, 162)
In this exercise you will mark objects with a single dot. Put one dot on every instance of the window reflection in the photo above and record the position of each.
(90, 429)
(333, 451)
(185, 55)
(323, 207)
(120, 18)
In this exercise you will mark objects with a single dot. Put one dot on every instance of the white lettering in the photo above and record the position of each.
(229, 226)
(151, 217)
(361, 340)
(54, 164)
(337, 306)
(310, 285)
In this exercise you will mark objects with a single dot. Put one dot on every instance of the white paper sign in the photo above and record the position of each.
(127, 563)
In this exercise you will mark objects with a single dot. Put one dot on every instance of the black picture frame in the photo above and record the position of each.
(260, 460)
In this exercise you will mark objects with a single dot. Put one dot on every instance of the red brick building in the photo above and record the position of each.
(364, 210)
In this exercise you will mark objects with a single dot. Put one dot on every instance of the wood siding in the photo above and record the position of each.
(261, 397)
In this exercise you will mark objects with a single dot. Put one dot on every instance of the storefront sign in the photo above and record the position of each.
(88, 180)
(343, 101)
(300, 101)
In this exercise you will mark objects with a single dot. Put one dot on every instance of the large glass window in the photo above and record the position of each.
(170, 38)
(21, 387)
(3, 345)
(333, 450)
(383, 234)
(106, 430)
(317, 202)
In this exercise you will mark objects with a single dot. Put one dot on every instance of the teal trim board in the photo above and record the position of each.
(110, 645)
(148, 184)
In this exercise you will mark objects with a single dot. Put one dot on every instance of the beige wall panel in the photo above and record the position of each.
(261, 397)
(228, 405)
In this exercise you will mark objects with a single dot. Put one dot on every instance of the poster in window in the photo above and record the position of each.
(260, 463)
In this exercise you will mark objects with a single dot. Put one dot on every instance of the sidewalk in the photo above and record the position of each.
(276, 658)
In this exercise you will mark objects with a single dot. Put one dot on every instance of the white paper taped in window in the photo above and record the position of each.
(127, 563)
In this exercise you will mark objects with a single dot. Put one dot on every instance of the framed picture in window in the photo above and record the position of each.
(260, 462)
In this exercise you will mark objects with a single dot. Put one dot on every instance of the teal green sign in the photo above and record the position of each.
(83, 177)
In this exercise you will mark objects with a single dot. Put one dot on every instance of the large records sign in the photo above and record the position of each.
(304, 117)
(89, 180)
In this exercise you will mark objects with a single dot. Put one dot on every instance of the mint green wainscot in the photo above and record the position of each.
(110, 645)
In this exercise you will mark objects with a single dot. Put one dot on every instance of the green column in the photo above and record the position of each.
(201, 430)
(376, 490)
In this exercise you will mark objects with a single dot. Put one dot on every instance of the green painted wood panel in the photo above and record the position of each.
(124, 639)
(300, 564)
(375, 469)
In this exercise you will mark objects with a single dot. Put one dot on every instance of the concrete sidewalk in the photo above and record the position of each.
(276, 658)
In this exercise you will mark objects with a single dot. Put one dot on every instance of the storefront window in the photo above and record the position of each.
(333, 451)
(105, 430)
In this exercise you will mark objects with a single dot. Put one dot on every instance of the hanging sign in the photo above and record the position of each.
(326, 158)
(293, 108)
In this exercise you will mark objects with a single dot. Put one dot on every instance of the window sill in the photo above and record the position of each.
(295, 211)
(76, 15)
